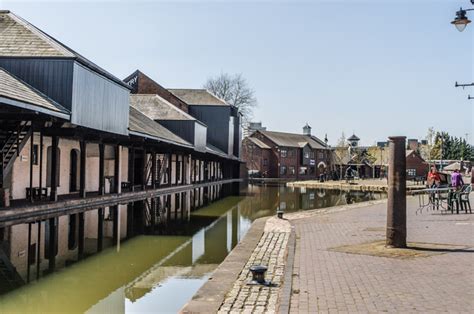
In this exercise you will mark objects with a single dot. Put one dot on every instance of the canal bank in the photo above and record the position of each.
(271, 242)
(143, 265)
(359, 185)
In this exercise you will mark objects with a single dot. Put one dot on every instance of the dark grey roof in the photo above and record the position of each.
(19, 38)
(216, 151)
(259, 143)
(158, 108)
(14, 89)
(200, 97)
(140, 123)
(353, 138)
(293, 140)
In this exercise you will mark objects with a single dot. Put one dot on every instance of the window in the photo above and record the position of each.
(292, 170)
(311, 155)
(306, 155)
(321, 155)
(35, 155)
(283, 170)
(303, 170)
(265, 162)
(411, 172)
(290, 153)
(283, 153)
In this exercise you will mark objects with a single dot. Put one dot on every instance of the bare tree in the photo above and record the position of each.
(341, 142)
(235, 90)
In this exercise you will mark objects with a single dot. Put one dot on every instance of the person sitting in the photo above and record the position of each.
(434, 179)
(456, 180)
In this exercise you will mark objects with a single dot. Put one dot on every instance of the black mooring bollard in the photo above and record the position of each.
(258, 275)
(280, 213)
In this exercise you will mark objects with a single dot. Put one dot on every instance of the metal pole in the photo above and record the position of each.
(396, 206)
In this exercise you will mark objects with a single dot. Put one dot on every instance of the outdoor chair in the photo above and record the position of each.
(463, 198)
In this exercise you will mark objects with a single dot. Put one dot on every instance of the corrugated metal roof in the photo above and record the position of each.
(198, 97)
(15, 89)
(158, 108)
(19, 38)
(293, 140)
(258, 142)
(140, 123)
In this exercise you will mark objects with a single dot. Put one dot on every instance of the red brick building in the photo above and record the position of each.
(286, 155)
(416, 165)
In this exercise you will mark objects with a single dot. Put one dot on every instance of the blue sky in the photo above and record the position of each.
(376, 68)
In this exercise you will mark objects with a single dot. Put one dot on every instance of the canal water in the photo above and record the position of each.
(147, 269)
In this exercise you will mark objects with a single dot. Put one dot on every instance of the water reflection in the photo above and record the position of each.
(151, 255)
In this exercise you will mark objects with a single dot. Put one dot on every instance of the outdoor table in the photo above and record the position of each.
(436, 199)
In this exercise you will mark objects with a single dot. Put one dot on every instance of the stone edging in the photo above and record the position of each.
(211, 295)
(284, 297)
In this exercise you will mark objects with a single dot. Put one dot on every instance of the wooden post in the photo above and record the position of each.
(80, 246)
(38, 250)
(117, 163)
(100, 229)
(54, 169)
(397, 203)
(101, 169)
(176, 167)
(41, 164)
(32, 144)
(144, 169)
(52, 244)
(153, 170)
(82, 175)
(131, 167)
(28, 251)
(169, 168)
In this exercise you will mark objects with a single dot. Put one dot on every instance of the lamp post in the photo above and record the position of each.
(461, 20)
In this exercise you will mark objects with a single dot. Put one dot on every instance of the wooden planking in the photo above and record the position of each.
(99, 103)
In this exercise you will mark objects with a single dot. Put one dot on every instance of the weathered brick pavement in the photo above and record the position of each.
(270, 252)
(328, 281)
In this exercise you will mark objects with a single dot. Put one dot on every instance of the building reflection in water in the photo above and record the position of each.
(149, 250)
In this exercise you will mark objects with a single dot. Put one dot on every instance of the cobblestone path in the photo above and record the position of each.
(270, 252)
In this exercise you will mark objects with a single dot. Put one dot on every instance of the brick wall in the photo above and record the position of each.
(414, 161)
(146, 85)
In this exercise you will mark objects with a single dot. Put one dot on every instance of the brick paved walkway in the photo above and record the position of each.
(328, 281)
(270, 252)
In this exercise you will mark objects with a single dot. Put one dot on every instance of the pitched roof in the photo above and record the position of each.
(14, 89)
(259, 143)
(140, 123)
(19, 38)
(158, 108)
(293, 140)
(353, 138)
(200, 97)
